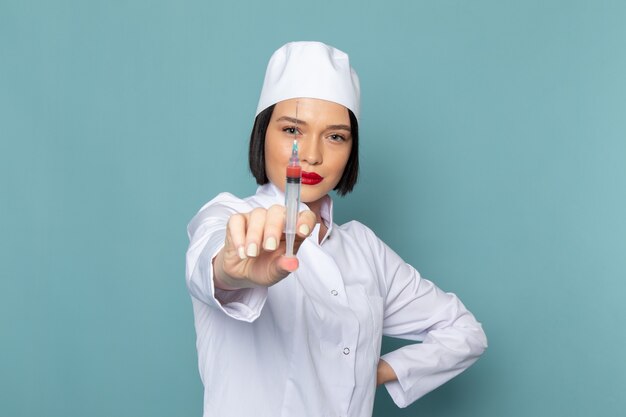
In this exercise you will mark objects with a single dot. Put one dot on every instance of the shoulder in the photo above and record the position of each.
(358, 230)
(361, 236)
(224, 200)
(218, 209)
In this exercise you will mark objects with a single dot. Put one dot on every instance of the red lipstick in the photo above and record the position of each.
(311, 178)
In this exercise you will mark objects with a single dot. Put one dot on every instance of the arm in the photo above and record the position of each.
(207, 231)
(415, 309)
(237, 251)
(385, 373)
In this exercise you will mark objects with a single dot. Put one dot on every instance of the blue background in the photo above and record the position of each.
(493, 159)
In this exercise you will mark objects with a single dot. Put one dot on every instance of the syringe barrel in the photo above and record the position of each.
(290, 239)
(292, 201)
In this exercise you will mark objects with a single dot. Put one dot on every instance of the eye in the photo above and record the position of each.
(336, 138)
(292, 130)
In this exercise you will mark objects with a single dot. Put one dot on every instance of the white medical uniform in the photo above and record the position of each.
(310, 345)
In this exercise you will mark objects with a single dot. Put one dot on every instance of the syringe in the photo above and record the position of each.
(292, 197)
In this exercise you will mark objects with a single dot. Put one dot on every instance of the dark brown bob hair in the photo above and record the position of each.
(256, 153)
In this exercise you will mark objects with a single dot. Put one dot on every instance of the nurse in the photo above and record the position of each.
(279, 336)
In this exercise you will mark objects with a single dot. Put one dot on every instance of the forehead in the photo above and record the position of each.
(309, 109)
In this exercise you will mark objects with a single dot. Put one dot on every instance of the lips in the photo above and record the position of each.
(311, 178)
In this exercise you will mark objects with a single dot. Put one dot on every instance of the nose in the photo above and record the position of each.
(311, 151)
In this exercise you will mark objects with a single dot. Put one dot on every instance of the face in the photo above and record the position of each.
(324, 144)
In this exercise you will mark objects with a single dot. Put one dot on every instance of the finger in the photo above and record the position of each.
(278, 268)
(285, 265)
(254, 232)
(306, 223)
(236, 234)
(274, 223)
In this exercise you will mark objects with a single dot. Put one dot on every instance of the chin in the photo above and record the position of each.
(307, 197)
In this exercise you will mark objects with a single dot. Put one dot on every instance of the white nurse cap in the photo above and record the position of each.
(313, 70)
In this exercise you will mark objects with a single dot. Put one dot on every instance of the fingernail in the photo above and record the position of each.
(241, 252)
(292, 265)
(270, 243)
(304, 229)
(252, 250)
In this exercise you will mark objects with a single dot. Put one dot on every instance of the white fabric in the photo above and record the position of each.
(310, 345)
(313, 70)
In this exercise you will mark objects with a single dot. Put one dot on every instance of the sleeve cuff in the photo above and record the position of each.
(397, 389)
(244, 304)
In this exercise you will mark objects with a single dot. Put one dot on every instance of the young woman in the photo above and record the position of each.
(285, 336)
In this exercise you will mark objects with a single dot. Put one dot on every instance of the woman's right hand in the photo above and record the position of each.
(254, 249)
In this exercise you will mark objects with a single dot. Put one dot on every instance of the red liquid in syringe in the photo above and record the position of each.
(294, 171)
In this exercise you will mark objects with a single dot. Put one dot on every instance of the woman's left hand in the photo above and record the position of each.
(385, 373)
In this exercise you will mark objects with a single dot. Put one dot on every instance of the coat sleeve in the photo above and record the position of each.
(416, 309)
(206, 232)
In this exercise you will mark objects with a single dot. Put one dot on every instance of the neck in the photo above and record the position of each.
(316, 207)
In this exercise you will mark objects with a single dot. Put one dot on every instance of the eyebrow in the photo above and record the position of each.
(339, 127)
(291, 120)
(303, 123)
